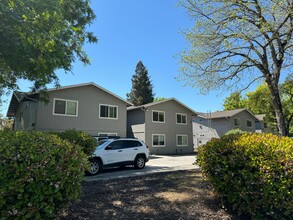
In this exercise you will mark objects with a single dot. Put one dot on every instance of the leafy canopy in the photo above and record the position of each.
(237, 42)
(39, 37)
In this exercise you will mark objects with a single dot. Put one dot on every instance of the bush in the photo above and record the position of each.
(235, 131)
(87, 142)
(39, 174)
(253, 173)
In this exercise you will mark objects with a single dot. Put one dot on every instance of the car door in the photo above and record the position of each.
(131, 148)
(113, 153)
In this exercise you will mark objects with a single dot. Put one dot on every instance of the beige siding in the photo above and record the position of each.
(88, 97)
(169, 128)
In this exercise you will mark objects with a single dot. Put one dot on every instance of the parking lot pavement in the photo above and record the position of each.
(156, 164)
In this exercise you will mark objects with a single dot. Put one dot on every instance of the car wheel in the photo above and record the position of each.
(139, 162)
(95, 167)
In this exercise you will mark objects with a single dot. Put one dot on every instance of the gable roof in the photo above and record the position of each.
(224, 114)
(18, 96)
(89, 84)
(160, 102)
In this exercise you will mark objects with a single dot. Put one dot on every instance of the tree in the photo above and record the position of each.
(235, 43)
(259, 102)
(286, 89)
(142, 88)
(158, 99)
(39, 37)
(234, 101)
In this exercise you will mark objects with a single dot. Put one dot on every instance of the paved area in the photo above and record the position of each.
(156, 164)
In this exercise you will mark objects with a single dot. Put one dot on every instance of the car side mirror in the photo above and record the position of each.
(108, 148)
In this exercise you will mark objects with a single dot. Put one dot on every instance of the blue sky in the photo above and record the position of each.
(133, 30)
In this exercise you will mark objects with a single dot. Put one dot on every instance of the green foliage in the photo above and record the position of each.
(83, 139)
(39, 174)
(39, 37)
(235, 131)
(142, 88)
(234, 101)
(235, 44)
(253, 173)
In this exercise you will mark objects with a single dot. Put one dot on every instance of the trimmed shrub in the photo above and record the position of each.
(235, 131)
(253, 173)
(87, 142)
(39, 174)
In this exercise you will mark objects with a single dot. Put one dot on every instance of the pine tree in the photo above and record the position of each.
(142, 88)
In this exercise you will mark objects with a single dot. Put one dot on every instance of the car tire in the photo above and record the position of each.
(95, 167)
(139, 162)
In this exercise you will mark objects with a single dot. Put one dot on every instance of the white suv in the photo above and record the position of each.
(118, 152)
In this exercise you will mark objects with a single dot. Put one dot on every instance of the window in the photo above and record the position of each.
(107, 134)
(181, 118)
(108, 111)
(182, 140)
(158, 116)
(158, 140)
(65, 107)
(249, 123)
(236, 122)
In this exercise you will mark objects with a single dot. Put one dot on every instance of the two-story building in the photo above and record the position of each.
(86, 107)
(165, 126)
(217, 124)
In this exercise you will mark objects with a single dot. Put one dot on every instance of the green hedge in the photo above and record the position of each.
(253, 173)
(39, 174)
(87, 142)
(235, 131)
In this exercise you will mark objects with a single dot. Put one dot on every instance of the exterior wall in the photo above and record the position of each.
(136, 124)
(89, 98)
(221, 125)
(25, 118)
(243, 116)
(169, 128)
(202, 133)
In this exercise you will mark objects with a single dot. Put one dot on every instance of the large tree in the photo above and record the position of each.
(142, 89)
(234, 43)
(39, 37)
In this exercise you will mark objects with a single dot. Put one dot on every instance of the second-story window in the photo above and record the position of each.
(249, 123)
(181, 118)
(237, 122)
(108, 111)
(158, 116)
(65, 107)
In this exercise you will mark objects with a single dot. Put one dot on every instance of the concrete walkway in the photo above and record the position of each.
(156, 164)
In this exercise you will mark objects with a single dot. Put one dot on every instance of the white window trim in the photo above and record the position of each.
(247, 125)
(177, 140)
(158, 117)
(116, 106)
(66, 100)
(108, 133)
(159, 145)
(237, 126)
(181, 115)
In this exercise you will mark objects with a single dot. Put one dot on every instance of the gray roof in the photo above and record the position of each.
(160, 102)
(260, 117)
(224, 114)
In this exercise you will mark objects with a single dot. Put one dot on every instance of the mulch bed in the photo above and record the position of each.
(175, 195)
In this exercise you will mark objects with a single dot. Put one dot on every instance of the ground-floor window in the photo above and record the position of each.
(158, 140)
(182, 140)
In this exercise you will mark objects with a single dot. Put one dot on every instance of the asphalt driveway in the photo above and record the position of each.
(156, 164)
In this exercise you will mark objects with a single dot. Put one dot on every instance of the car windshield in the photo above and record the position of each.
(101, 143)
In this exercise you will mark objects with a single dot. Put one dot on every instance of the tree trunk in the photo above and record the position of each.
(278, 109)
